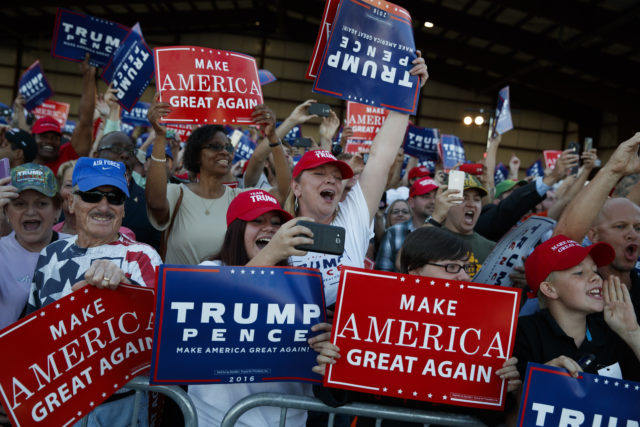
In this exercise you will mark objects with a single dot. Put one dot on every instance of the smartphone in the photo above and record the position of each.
(327, 239)
(456, 182)
(302, 142)
(235, 137)
(365, 158)
(576, 150)
(5, 169)
(588, 143)
(321, 110)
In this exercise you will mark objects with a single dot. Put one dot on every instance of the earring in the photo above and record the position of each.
(295, 204)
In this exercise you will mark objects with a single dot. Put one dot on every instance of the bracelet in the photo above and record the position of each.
(158, 160)
(275, 144)
(433, 222)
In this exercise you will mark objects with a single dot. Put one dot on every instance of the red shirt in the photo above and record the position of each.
(66, 153)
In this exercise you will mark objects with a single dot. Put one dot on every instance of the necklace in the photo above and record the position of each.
(206, 209)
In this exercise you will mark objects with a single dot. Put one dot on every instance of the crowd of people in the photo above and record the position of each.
(101, 208)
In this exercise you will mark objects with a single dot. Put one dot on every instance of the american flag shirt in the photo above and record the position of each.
(62, 263)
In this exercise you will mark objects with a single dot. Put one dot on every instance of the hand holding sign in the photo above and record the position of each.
(158, 110)
(265, 117)
(420, 69)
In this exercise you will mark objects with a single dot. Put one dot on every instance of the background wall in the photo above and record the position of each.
(442, 106)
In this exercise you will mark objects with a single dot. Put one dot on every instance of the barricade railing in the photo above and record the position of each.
(379, 412)
(141, 385)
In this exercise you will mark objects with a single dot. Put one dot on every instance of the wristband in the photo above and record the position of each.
(158, 160)
(433, 222)
(275, 144)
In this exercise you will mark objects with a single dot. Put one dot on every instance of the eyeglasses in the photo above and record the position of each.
(217, 147)
(115, 198)
(470, 269)
(116, 149)
(399, 211)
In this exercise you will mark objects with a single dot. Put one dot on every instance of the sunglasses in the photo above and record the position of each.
(115, 198)
(116, 149)
(218, 147)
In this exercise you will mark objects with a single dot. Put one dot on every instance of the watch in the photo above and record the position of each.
(433, 222)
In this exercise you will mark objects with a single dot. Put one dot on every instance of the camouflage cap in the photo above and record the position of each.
(471, 182)
(31, 176)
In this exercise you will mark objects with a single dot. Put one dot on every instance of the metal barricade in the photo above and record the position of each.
(379, 412)
(175, 393)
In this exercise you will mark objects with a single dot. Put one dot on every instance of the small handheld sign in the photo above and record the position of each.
(427, 339)
(235, 324)
(34, 87)
(365, 120)
(76, 34)
(552, 397)
(207, 86)
(369, 55)
(130, 69)
(57, 110)
(422, 143)
(74, 353)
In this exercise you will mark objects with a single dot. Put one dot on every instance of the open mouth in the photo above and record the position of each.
(262, 242)
(631, 252)
(48, 147)
(31, 225)
(223, 162)
(328, 195)
(101, 217)
(595, 292)
(469, 217)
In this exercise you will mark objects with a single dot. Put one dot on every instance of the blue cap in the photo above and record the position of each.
(167, 151)
(90, 173)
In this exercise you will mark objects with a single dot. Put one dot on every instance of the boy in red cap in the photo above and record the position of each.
(565, 332)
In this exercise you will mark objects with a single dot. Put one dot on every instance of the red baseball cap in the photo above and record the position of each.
(560, 253)
(423, 186)
(313, 159)
(419, 172)
(46, 124)
(250, 204)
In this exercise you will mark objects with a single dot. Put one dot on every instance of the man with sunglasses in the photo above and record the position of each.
(98, 256)
(118, 146)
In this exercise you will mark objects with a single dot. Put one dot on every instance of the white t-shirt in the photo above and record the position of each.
(212, 401)
(353, 216)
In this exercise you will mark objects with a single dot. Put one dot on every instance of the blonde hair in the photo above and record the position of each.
(289, 204)
(62, 169)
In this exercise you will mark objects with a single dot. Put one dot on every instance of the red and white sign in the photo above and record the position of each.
(355, 146)
(420, 338)
(207, 86)
(365, 120)
(329, 14)
(182, 131)
(65, 359)
(551, 157)
(57, 110)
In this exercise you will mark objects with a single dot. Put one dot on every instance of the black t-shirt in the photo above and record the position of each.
(135, 217)
(540, 339)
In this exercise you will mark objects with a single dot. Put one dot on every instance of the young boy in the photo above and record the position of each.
(570, 290)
